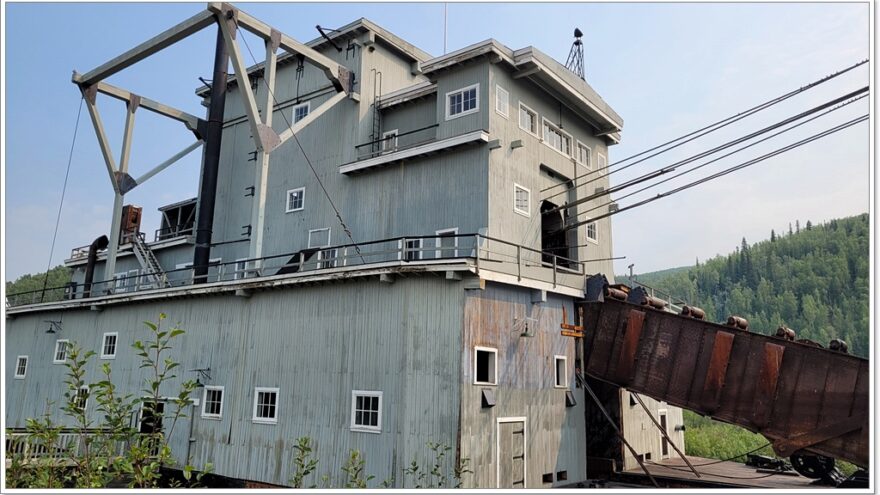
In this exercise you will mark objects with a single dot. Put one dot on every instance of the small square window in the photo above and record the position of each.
(501, 101)
(560, 375)
(462, 102)
(296, 199)
(319, 238)
(592, 232)
(328, 258)
(212, 403)
(412, 251)
(446, 243)
(485, 372)
(21, 367)
(584, 156)
(389, 140)
(60, 351)
(366, 411)
(265, 405)
(521, 200)
(108, 345)
(528, 119)
(561, 475)
(240, 269)
(301, 111)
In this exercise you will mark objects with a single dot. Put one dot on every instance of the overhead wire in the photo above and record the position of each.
(723, 172)
(670, 168)
(61, 203)
(697, 167)
(693, 135)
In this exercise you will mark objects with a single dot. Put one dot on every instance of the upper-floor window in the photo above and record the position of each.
(300, 111)
(108, 345)
(61, 351)
(212, 402)
(603, 162)
(265, 405)
(584, 156)
(81, 398)
(528, 119)
(521, 200)
(412, 251)
(555, 138)
(389, 140)
(240, 269)
(485, 372)
(501, 101)
(592, 232)
(560, 379)
(319, 237)
(21, 366)
(462, 101)
(366, 411)
(296, 199)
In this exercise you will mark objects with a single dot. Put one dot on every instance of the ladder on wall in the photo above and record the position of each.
(152, 270)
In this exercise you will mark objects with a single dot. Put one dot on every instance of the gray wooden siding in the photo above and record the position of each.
(459, 78)
(643, 434)
(316, 344)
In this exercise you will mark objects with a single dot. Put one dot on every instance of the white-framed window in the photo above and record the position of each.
(412, 250)
(593, 232)
(240, 269)
(502, 105)
(366, 411)
(603, 161)
(21, 363)
(327, 258)
(556, 138)
(119, 282)
(521, 200)
(296, 199)
(319, 237)
(301, 111)
(133, 280)
(212, 402)
(446, 243)
(584, 156)
(560, 372)
(81, 398)
(389, 140)
(265, 405)
(528, 119)
(61, 346)
(108, 345)
(485, 368)
(464, 101)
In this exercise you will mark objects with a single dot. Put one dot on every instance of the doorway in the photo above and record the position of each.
(552, 236)
(510, 452)
(664, 442)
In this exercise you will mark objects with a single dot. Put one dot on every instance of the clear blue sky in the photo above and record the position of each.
(666, 68)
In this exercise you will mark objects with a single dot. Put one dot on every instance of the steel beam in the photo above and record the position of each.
(159, 42)
(130, 108)
(167, 163)
(115, 227)
(311, 117)
(191, 121)
(90, 95)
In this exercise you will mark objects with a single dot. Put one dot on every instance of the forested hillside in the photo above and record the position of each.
(58, 277)
(812, 278)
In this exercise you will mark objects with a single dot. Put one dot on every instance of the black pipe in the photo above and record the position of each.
(96, 245)
(211, 162)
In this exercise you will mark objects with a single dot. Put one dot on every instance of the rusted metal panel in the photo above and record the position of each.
(781, 388)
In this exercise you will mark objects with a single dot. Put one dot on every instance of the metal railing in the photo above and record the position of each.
(173, 231)
(397, 142)
(675, 303)
(484, 252)
(68, 444)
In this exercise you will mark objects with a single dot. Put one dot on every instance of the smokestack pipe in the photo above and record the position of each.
(96, 245)
(211, 162)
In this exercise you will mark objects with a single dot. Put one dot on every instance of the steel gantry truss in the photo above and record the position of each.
(259, 113)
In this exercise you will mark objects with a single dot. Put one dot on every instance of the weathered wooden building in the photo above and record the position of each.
(435, 318)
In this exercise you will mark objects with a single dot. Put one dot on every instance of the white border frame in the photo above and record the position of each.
(115, 345)
(474, 110)
(438, 254)
(525, 213)
(664, 412)
(363, 428)
(537, 120)
(266, 421)
(402, 249)
(512, 419)
(587, 230)
(577, 154)
(307, 104)
(287, 208)
(498, 90)
(55, 351)
(27, 361)
(319, 230)
(556, 384)
(494, 351)
(385, 135)
(88, 390)
(240, 274)
(543, 140)
(219, 416)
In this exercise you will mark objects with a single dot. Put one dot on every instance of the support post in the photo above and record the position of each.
(113, 248)
(211, 162)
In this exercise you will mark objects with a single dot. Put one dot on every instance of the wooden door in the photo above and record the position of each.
(511, 453)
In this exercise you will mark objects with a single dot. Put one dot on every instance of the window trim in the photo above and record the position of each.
(498, 91)
(287, 207)
(544, 121)
(240, 273)
(307, 104)
(365, 428)
(587, 231)
(526, 213)
(474, 110)
(439, 253)
(319, 230)
(403, 249)
(387, 134)
(494, 351)
(268, 421)
(588, 166)
(556, 360)
(55, 354)
(219, 416)
(86, 401)
(119, 282)
(329, 261)
(533, 112)
(104, 345)
(17, 361)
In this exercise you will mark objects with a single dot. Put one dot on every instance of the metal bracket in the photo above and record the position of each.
(250, 190)
(125, 182)
(247, 228)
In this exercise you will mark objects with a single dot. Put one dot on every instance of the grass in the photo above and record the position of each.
(705, 437)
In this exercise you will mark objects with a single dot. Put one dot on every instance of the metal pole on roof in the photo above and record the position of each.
(445, 5)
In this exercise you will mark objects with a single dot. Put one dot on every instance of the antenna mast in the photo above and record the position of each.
(575, 62)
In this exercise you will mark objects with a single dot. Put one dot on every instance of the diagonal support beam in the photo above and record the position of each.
(159, 42)
(90, 95)
(130, 108)
(311, 117)
(162, 166)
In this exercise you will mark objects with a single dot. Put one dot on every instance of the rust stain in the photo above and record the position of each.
(626, 361)
(717, 369)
